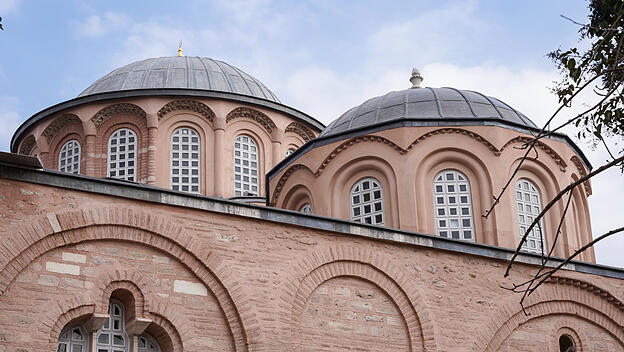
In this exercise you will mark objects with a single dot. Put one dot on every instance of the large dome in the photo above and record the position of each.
(427, 106)
(186, 72)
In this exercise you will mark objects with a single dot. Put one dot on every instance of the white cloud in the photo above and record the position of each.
(95, 26)
(7, 6)
(9, 120)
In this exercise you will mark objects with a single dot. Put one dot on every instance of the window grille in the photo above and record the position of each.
(185, 160)
(148, 344)
(528, 206)
(112, 337)
(453, 205)
(122, 154)
(72, 339)
(69, 157)
(367, 202)
(245, 166)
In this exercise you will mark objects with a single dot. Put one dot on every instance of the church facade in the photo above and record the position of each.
(177, 205)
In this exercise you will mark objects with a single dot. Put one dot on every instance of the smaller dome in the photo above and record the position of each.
(427, 106)
(185, 72)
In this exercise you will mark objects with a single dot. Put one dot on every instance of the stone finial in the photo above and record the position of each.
(416, 78)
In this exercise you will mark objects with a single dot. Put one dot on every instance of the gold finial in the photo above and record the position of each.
(180, 49)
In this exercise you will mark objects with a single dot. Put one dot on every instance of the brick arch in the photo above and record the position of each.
(57, 125)
(543, 146)
(105, 113)
(27, 145)
(576, 298)
(282, 181)
(65, 312)
(169, 329)
(254, 115)
(43, 233)
(572, 328)
(301, 130)
(189, 105)
(365, 263)
(123, 281)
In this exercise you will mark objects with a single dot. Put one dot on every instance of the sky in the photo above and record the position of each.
(319, 56)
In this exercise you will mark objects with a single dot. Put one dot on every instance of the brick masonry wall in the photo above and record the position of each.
(271, 286)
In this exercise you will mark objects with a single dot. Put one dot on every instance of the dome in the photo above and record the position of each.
(186, 72)
(427, 106)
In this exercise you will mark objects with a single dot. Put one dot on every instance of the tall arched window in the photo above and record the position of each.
(112, 337)
(148, 344)
(529, 206)
(69, 157)
(122, 154)
(453, 205)
(367, 202)
(185, 160)
(72, 339)
(245, 166)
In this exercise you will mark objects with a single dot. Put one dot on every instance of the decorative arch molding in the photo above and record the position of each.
(27, 146)
(189, 105)
(548, 150)
(43, 233)
(55, 126)
(460, 131)
(67, 311)
(282, 181)
(122, 280)
(104, 114)
(301, 130)
(330, 262)
(252, 114)
(578, 298)
(581, 170)
(170, 330)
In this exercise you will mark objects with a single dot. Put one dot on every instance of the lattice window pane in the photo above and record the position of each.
(72, 339)
(528, 207)
(453, 205)
(246, 167)
(367, 202)
(148, 344)
(306, 209)
(289, 151)
(69, 157)
(122, 154)
(185, 160)
(112, 336)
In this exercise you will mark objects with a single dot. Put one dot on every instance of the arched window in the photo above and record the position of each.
(289, 151)
(122, 154)
(566, 343)
(69, 157)
(185, 160)
(306, 208)
(245, 166)
(529, 206)
(112, 337)
(148, 344)
(72, 339)
(453, 205)
(367, 202)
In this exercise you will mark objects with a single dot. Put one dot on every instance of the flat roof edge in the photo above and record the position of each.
(147, 193)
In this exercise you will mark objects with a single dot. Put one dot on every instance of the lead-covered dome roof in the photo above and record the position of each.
(427, 106)
(186, 72)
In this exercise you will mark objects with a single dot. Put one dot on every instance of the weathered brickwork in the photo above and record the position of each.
(248, 284)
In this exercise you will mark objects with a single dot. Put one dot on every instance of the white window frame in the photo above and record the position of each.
(246, 166)
(122, 161)
(147, 343)
(452, 205)
(67, 342)
(185, 160)
(369, 211)
(289, 151)
(69, 157)
(113, 328)
(528, 206)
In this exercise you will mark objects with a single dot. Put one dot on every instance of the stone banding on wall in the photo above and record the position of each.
(37, 237)
(588, 302)
(104, 114)
(301, 130)
(330, 262)
(58, 124)
(251, 114)
(189, 105)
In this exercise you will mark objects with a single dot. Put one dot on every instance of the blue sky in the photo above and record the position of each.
(321, 57)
